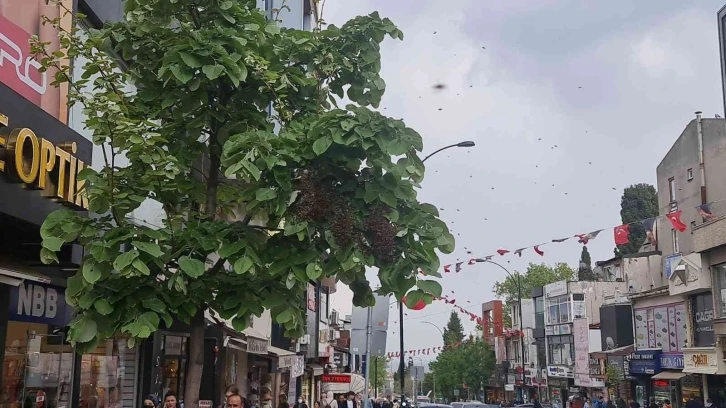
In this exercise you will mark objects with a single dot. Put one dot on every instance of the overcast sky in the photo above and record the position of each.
(611, 83)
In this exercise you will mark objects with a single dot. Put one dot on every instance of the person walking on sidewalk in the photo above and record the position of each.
(300, 403)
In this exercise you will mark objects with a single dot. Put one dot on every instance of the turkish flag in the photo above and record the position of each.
(538, 251)
(502, 251)
(621, 233)
(675, 219)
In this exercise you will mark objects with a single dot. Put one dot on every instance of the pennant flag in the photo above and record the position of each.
(472, 261)
(704, 211)
(650, 230)
(675, 219)
(447, 268)
(538, 251)
(519, 251)
(458, 266)
(560, 240)
(585, 238)
(621, 234)
(488, 258)
(502, 251)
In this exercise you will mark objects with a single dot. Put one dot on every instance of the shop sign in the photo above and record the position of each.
(39, 303)
(574, 390)
(616, 363)
(671, 361)
(298, 368)
(336, 378)
(312, 301)
(578, 309)
(41, 165)
(508, 387)
(511, 379)
(560, 371)
(205, 403)
(661, 383)
(645, 362)
(557, 330)
(597, 367)
(257, 346)
(703, 320)
(555, 289)
(583, 380)
(701, 361)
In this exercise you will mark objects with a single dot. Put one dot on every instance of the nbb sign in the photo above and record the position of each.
(39, 303)
(41, 165)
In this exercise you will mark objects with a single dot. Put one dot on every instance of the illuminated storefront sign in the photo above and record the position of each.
(41, 165)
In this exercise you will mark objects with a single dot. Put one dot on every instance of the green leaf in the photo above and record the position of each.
(292, 229)
(284, 316)
(242, 265)
(212, 71)
(140, 266)
(181, 74)
(194, 268)
(48, 257)
(272, 28)
(226, 4)
(413, 297)
(240, 323)
(191, 60)
(313, 271)
(252, 169)
(264, 194)
(150, 248)
(90, 272)
(322, 144)
(430, 286)
(231, 248)
(83, 330)
(154, 304)
(53, 243)
(103, 307)
(124, 260)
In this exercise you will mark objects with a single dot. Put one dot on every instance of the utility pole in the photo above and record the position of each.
(368, 357)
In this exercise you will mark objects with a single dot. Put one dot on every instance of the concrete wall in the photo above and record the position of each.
(682, 156)
(595, 294)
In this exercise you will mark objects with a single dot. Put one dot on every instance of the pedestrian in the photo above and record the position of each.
(170, 400)
(609, 403)
(621, 403)
(710, 404)
(535, 401)
(652, 403)
(636, 404)
(300, 403)
(587, 403)
(235, 401)
(350, 403)
(600, 402)
(693, 402)
(151, 401)
(667, 404)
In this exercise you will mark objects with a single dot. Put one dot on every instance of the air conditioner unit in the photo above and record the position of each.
(305, 339)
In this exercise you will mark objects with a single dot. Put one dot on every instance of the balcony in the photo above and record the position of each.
(710, 234)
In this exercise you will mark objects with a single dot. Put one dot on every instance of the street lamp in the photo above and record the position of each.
(519, 305)
(433, 373)
(401, 365)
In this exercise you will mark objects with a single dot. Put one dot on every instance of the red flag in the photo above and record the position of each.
(538, 251)
(488, 258)
(472, 261)
(675, 219)
(502, 251)
(621, 234)
(447, 268)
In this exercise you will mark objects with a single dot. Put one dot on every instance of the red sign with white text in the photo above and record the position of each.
(336, 378)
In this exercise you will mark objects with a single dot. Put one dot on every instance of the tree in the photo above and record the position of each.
(639, 202)
(584, 272)
(256, 206)
(472, 363)
(378, 372)
(535, 276)
(454, 330)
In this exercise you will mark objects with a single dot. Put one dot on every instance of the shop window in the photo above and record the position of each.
(38, 364)
(561, 349)
(703, 335)
(105, 375)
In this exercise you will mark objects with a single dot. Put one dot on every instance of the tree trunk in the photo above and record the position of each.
(195, 366)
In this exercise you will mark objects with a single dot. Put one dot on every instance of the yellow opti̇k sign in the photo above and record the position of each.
(41, 165)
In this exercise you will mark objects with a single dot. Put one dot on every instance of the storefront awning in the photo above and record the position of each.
(279, 352)
(669, 375)
(316, 369)
(14, 275)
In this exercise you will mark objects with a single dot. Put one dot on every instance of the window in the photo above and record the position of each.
(689, 174)
(514, 315)
(561, 349)
(539, 313)
(674, 238)
(558, 310)
(721, 282)
(672, 189)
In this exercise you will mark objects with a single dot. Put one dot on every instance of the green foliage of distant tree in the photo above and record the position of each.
(639, 201)
(536, 275)
(378, 373)
(584, 271)
(472, 363)
(454, 330)
(256, 204)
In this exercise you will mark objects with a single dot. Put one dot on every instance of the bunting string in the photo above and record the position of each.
(621, 235)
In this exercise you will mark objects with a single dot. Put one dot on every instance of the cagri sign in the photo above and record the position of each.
(40, 165)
